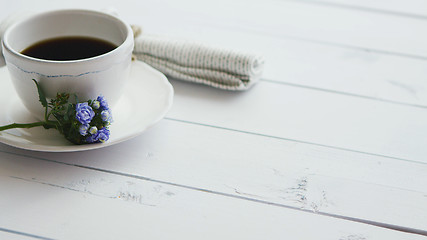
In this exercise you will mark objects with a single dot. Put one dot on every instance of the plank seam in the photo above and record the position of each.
(24, 234)
(259, 32)
(361, 8)
(343, 93)
(293, 140)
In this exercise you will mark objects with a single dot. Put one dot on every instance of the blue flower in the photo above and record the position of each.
(102, 135)
(83, 129)
(84, 113)
(103, 102)
(106, 115)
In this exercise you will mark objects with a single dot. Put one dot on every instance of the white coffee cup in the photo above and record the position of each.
(88, 78)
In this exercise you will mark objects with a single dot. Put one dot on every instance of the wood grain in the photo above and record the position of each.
(84, 203)
(300, 176)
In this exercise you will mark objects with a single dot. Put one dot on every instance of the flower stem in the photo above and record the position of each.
(27, 125)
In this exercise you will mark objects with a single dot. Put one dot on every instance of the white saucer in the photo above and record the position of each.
(146, 99)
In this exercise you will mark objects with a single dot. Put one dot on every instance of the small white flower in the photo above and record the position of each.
(93, 130)
(96, 104)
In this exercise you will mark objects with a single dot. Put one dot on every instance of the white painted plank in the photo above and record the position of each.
(408, 8)
(86, 204)
(309, 116)
(302, 176)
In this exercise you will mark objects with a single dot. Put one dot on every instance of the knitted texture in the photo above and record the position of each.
(197, 62)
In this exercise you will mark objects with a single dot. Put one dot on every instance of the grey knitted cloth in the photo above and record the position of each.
(197, 62)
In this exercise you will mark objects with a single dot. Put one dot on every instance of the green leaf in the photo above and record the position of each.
(68, 112)
(76, 98)
(66, 118)
(42, 97)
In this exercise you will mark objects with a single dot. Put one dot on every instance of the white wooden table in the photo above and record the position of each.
(331, 144)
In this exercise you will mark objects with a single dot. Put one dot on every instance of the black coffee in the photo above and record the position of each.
(68, 48)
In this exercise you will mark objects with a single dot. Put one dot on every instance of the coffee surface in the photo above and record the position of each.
(68, 48)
